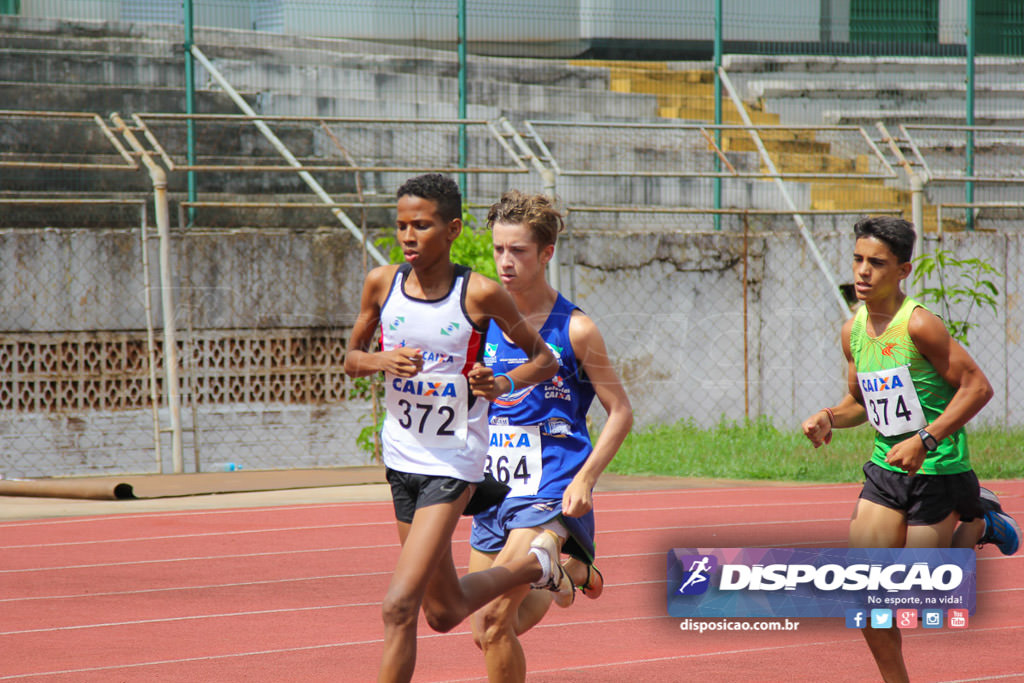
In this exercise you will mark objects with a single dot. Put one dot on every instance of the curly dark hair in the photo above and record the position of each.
(898, 234)
(437, 188)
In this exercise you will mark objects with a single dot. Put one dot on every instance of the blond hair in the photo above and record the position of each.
(536, 211)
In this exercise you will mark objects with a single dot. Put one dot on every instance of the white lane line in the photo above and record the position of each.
(162, 514)
(204, 558)
(190, 617)
(205, 534)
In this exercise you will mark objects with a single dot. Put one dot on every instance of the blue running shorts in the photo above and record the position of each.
(491, 527)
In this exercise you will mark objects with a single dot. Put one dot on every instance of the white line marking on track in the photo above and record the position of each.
(733, 489)
(757, 523)
(85, 519)
(999, 677)
(686, 508)
(389, 523)
(455, 542)
(191, 617)
(141, 591)
(115, 667)
(233, 532)
(198, 559)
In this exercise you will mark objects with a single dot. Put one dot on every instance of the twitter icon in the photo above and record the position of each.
(881, 618)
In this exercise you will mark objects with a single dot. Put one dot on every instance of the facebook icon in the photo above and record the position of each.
(856, 618)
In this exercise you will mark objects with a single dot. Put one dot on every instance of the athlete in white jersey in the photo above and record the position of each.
(433, 425)
(433, 451)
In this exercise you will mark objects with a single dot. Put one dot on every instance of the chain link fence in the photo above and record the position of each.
(709, 261)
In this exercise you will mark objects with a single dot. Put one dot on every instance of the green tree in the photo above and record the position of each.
(959, 281)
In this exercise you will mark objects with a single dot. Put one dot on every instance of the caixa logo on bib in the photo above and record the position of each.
(422, 388)
(825, 582)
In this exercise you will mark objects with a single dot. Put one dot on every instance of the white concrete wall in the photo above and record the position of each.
(689, 334)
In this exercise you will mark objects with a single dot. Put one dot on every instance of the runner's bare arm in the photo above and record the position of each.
(487, 300)
(589, 347)
(849, 412)
(959, 369)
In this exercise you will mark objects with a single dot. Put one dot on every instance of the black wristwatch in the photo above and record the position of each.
(930, 444)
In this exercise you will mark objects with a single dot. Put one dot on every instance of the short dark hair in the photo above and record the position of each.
(439, 189)
(898, 234)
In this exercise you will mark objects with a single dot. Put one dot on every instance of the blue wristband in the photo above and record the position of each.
(512, 384)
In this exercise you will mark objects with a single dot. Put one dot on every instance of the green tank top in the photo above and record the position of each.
(902, 392)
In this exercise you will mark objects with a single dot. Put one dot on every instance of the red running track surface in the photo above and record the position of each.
(293, 594)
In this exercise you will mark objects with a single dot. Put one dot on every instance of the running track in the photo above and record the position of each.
(292, 593)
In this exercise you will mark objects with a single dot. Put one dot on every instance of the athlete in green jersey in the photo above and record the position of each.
(902, 391)
(918, 387)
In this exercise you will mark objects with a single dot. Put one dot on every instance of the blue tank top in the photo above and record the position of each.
(538, 435)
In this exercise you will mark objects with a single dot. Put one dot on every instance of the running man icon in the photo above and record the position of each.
(697, 574)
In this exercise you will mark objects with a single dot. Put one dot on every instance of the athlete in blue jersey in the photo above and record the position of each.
(539, 442)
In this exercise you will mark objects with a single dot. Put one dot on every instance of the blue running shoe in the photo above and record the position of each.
(1000, 528)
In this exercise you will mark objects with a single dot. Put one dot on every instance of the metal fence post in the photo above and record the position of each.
(718, 111)
(190, 107)
(969, 152)
(462, 92)
(163, 223)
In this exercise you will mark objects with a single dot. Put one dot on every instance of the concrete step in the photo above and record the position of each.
(215, 139)
(553, 73)
(846, 68)
(231, 180)
(70, 155)
(821, 109)
(899, 90)
(704, 105)
(220, 210)
(72, 27)
(239, 210)
(73, 215)
(867, 117)
(80, 67)
(694, 71)
(742, 142)
(819, 163)
(325, 82)
(82, 182)
(162, 40)
(50, 139)
(41, 136)
(14, 39)
(839, 194)
(103, 99)
(657, 83)
(628, 191)
(92, 67)
(729, 116)
(692, 93)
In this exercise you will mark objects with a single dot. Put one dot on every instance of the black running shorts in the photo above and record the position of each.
(411, 492)
(925, 498)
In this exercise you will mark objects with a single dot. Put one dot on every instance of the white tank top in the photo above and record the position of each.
(433, 424)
